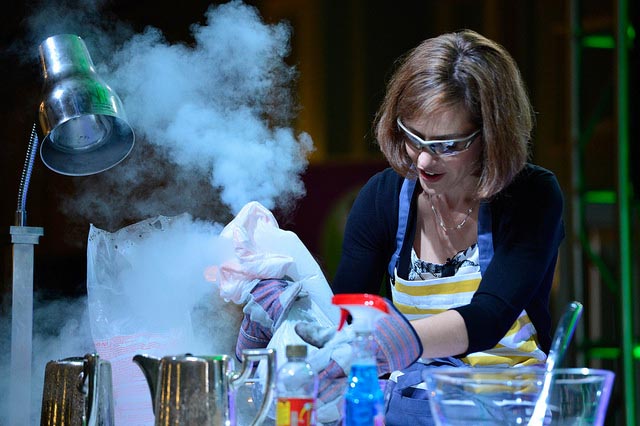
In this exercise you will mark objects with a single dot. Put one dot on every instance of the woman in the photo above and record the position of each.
(461, 230)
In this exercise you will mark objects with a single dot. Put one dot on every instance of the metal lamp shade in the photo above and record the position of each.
(84, 123)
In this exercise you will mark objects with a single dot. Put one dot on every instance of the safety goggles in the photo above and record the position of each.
(445, 147)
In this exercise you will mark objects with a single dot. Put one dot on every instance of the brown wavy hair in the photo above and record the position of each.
(461, 68)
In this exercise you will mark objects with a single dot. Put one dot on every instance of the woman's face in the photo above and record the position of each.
(440, 174)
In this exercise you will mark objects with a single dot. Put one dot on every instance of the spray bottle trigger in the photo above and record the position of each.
(344, 314)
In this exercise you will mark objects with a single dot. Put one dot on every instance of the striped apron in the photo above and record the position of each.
(422, 298)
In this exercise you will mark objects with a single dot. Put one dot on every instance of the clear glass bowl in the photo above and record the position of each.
(507, 396)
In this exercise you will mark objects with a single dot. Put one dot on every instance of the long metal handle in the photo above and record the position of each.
(561, 338)
(249, 358)
(563, 334)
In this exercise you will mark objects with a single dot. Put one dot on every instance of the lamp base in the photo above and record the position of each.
(23, 239)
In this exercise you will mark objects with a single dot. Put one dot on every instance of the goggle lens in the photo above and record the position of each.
(439, 147)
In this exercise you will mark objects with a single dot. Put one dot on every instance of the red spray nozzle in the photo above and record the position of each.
(355, 302)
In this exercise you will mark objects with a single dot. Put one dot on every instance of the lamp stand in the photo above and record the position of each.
(23, 238)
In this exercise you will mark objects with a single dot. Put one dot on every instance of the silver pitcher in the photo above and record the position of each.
(77, 391)
(200, 390)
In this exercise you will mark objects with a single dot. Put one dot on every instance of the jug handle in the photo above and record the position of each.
(90, 380)
(150, 367)
(249, 357)
(97, 388)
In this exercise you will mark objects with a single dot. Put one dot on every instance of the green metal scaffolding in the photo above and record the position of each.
(621, 197)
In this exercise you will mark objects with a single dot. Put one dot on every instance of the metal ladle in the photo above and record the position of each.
(561, 339)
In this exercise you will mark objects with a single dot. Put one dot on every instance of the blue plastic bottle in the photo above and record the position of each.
(364, 400)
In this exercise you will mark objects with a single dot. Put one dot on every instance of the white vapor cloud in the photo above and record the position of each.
(212, 118)
(218, 109)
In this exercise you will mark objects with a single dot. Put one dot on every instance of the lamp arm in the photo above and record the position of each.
(32, 150)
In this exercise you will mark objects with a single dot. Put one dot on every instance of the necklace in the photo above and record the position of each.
(441, 222)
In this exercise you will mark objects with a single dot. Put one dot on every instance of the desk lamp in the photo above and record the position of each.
(85, 132)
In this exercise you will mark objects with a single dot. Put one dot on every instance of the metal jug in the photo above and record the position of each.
(199, 390)
(77, 391)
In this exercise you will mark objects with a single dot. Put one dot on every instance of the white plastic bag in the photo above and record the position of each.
(264, 251)
(147, 294)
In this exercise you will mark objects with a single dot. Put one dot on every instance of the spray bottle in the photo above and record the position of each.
(364, 400)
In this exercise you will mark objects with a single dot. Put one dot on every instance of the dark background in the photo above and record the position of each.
(344, 52)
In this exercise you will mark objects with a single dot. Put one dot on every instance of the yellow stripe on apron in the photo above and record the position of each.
(423, 298)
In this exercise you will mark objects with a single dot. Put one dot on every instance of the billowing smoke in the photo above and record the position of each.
(147, 294)
(60, 331)
(219, 108)
(212, 119)
(212, 115)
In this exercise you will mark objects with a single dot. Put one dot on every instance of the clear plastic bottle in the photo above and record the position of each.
(296, 389)
(364, 400)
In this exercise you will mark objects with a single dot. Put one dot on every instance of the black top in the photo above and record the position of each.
(527, 228)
